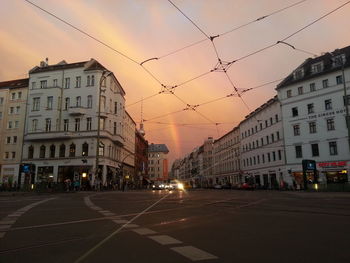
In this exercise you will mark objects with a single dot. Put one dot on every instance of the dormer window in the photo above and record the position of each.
(299, 73)
(317, 67)
(338, 60)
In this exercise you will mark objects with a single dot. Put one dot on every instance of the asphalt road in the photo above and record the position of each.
(160, 226)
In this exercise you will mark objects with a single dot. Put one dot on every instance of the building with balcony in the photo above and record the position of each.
(315, 104)
(72, 108)
(13, 98)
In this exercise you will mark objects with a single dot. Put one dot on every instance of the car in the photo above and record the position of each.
(248, 186)
(175, 185)
(158, 187)
(217, 186)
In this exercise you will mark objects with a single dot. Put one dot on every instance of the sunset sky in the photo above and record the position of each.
(143, 29)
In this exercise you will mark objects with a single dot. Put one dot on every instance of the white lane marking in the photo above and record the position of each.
(165, 240)
(105, 211)
(131, 226)
(193, 253)
(13, 217)
(84, 256)
(4, 227)
(144, 231)
(109, 214)
(7, 222)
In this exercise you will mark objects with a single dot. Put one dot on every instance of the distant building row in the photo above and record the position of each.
(306, 120)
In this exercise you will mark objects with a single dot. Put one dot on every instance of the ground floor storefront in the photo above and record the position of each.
(268, 178)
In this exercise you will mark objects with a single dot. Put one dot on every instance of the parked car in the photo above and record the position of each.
(247, 186)
(217, 186)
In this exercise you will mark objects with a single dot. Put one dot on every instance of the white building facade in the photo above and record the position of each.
(262, 149)
(314, 117)
(226, 168)
(65, 104)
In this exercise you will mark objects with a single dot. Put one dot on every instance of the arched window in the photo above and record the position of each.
(62, 150)
(101, 149)
(72, 150)
(42, 151)
(89, 101)
(30, 152)
(85, 151)
(52, 151)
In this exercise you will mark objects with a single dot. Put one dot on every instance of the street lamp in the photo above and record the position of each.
(104, 75)
(121, 169)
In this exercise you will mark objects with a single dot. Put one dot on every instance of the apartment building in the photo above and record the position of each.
(227, 159)
(158, 162)
(13, 98)
(72, 108)
(262, 149)
(314, 100)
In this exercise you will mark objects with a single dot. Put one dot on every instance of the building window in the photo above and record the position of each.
(310, 108)
(268, 157)
(263, 158)
(62, 150)
(298, 74)
(55, 82)
(272, 137)
(42, 151)
(78, 82)
(67, 83)
(296, 129)
(65, 124)
(312, 87)
(52, 151)
(262, 141)
(92, 80)
(115, 128)
(339, 79)
(9, 125)
(267, 139)
(77, 124)
(278, 135)
(325, 83)
(300, 90)
(36, 104)
(49, 103)
(13, 155)
(14, 139)
(328, 104)
(47, 125)
(276, 117)
(101, 149)
(66, 103)
(261, 126)
(72, 150)
(330, 125)
(30, 152)
(19, 95)
(78, 101)
(339, 60)
(271, 121)
(295, 111)
(16, 124)
(85, 148)
(298, 151)
(43, 84)
(289, 93)
(274, 156)
(314, 150)
(33, 85)
(89, 101)
(266, 124)
(279, 155)
(88, 123)
(312, 127)
(18, 109)
(333, 150)
(34, 125)
(8, 139)
(316, 68)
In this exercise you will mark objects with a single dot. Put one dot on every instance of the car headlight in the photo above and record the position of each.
(180, 186)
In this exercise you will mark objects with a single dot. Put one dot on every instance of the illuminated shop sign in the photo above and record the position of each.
(332, 164)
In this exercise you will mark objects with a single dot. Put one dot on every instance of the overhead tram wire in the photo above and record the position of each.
(232, 30)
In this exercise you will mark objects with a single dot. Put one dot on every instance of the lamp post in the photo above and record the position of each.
(121, 169)
(104, 75)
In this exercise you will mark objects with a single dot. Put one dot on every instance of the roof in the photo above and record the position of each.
(158, 148)
(17, 83)
(259, 109)
(327, 67)
(226, 134)
(89, 65)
